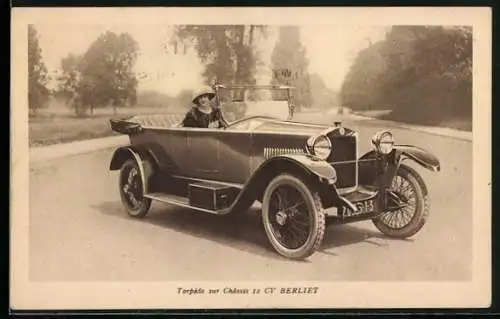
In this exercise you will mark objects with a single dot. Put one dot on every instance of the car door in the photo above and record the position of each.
(202, 153)
(218, 154)
(172, 150)
(234, 157)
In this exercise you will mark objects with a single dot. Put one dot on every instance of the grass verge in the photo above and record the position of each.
(61, 126)
(57, 130)
(461, 124)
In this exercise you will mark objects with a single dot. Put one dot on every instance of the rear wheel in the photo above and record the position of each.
(412, 210)
(131, 190)
(293, 217)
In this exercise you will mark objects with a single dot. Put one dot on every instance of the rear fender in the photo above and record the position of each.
(124, 153)
(317, 173)
(145, 160)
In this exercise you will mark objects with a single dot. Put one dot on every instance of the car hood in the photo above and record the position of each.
(285, 127)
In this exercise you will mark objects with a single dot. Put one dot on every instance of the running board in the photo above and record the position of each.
(178, 201)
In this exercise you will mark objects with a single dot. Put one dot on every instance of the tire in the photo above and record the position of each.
(418, 215)
(138, 207)
(306, 219)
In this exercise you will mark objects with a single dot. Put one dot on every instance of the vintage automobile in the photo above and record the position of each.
(305, 176)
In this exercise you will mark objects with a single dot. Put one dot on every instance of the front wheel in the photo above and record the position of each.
(293, 217)
(409, 214)
(131, 190)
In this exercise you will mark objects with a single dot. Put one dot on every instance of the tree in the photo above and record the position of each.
(70, 82)
(290, 65)
(38, 93)
(361, 89)
(103, 75)
(226, 50)
(107, 71)
(422, 73)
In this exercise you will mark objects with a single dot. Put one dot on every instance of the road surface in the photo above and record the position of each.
(80, 232)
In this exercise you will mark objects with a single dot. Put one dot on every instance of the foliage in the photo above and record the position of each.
(422, 73)
(38, 94)
(69, 80)
(290, 65)
(103, 75)
(226, 50)
(362, 85)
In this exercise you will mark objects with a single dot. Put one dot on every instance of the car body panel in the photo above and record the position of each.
(230, 155)
(233, 155)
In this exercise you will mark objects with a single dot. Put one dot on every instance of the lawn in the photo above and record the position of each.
(458, 124)
(60, 126)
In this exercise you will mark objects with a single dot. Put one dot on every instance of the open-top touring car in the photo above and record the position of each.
(297, 171)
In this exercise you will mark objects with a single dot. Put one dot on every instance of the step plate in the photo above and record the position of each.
(178, 201)
(360, 195)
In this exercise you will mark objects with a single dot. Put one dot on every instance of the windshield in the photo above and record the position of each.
(238, 103)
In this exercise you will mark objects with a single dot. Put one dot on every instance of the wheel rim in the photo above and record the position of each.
(403, 215)
(132, 188)
(289, 217)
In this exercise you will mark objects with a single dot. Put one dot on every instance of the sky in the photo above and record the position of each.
(330, 50)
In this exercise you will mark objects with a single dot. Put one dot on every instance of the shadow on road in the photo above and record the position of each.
(243, 232)
(344, 235)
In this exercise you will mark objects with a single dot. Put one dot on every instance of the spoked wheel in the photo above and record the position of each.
(293, 217)
(408, 206)
(131, 190)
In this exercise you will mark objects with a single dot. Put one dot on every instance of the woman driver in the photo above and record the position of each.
(202, 114)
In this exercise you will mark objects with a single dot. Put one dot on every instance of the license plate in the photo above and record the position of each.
(364, 207)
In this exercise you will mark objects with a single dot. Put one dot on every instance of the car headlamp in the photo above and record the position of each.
(321, 147)
(383, 142)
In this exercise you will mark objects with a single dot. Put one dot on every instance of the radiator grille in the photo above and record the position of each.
(276, 151)
(344, 160)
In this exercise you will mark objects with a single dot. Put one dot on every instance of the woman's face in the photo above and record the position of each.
(204, 100)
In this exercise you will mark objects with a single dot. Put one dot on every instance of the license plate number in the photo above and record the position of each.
(364, 207)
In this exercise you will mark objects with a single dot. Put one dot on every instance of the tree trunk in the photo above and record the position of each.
(250, 37)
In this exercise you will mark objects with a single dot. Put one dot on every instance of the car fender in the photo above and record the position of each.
(124, 153)
(311, 165)
(368, 166)
(420, 156)
(319, 171)
(144, 159)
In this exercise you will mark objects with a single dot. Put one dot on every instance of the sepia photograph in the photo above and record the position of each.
(250, 158)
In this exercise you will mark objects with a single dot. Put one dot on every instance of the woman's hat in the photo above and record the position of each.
(203, 91)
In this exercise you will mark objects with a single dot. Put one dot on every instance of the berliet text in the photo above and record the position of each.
(249, 291)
